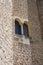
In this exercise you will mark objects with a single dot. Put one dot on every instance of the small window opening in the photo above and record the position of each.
(25, 29)
(17, 27)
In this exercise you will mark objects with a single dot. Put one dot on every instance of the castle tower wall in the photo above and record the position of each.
(6, 51)
(40, 10)
(19, 49)
(27, 54)
(27, 10)
(22, 49)
(20, 8)
(37, 44)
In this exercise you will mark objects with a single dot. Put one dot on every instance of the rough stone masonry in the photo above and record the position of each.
(11, 51)
(6, 47)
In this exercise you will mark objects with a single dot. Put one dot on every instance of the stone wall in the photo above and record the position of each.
(27, 9)
(6, 47)
(20, 8)
(40, 10)
(22, 54)
(34, 20)
(37, 53)
(37, 44)
(11, 51)
(25, 54)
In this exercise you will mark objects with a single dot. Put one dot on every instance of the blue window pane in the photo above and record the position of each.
(25, 30)
(17, 28)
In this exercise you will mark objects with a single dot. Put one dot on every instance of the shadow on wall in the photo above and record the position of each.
(40, 13)
(36, 46)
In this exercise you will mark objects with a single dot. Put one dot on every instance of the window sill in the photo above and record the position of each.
(21, 39)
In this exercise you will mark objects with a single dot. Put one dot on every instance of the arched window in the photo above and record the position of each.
(25, 29)
(17, 27)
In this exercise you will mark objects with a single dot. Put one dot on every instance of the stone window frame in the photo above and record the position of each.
(20, 38)
(21, 22)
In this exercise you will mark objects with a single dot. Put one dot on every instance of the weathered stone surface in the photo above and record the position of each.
(40, 10)
(37, 53)
(22, 54)
(11, 51)
(6, 50)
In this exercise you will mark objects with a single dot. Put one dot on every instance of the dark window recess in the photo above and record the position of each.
(17, 27)
(25, 29)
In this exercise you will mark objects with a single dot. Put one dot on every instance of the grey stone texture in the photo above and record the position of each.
(13, 52)
(34, 20)
(40, 10)
(37, 53)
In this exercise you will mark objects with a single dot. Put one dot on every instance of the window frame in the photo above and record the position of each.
(25, 28)
(18, 32)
